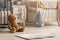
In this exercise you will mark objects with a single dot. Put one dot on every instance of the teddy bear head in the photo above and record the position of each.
(11, 17)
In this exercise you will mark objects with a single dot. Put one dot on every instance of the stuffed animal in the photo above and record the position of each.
(13, 25)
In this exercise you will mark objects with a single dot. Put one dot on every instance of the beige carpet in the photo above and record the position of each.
(5, 35)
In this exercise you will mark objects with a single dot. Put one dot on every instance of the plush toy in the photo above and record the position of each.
(13, 26)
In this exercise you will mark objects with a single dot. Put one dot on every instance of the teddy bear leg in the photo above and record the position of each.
(13, 30)
(21, 29)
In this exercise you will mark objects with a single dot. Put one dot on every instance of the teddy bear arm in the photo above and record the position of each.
(13, 30)
(17, 27)
(9, 26)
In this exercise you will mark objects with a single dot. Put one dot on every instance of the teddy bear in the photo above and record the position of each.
(13, 25)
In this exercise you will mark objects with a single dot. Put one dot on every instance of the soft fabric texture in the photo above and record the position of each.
(36, 35)
(39, 19)
(13, 25)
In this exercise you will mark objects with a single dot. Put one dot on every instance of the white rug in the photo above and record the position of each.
(36, 35)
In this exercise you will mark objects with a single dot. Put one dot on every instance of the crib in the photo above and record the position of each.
(5, 10)
(48, 10)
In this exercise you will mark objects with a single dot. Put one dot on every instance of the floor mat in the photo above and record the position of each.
(36, 35)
